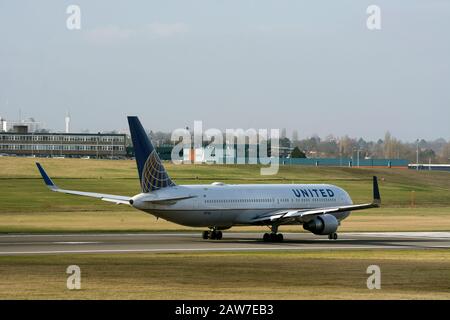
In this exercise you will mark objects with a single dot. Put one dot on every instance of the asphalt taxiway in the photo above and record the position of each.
(31, 244)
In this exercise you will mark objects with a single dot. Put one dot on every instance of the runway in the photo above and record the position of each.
(32, 244)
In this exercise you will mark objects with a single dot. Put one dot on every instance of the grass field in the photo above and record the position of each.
(26, 205)
(45, 211)
(246, 275)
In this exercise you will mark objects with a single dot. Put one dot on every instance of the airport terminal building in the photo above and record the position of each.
(74, 145)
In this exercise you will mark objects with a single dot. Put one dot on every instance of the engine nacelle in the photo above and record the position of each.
(323, 224)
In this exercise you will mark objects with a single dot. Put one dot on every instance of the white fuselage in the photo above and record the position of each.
(223, 206)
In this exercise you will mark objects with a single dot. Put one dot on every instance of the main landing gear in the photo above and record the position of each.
(273, 236)
(333, 236)
(212, 234)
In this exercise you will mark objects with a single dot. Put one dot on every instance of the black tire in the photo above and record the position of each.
(219, 235)
(266, 237)
(330, 236)
(335, 236)
(212, 235)
(279, 237)
(205, 235)
(273, 237)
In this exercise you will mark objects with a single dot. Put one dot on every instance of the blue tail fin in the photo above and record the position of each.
(152, 174)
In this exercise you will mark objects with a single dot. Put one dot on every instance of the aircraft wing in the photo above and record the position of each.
(300, 213)
(105, 197)
(284, 216)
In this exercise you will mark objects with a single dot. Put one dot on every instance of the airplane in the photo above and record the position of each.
(320, 208)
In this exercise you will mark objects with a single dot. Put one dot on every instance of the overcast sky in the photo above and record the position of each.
(306, 65)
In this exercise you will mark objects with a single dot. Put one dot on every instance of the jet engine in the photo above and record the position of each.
(323, 224)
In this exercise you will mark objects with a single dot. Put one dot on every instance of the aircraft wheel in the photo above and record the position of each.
(218, 235)
(273, 237)
(212, 235)
(266, 237)
(205, 235)
(333, 236)
(279, 237)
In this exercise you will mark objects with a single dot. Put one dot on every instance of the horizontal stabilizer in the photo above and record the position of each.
(106, 197)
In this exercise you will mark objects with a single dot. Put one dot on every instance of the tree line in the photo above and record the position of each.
(436, 151)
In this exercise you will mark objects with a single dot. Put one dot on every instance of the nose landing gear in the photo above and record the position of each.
(333, 236)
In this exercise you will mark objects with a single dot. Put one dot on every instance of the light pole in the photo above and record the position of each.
(357, 156)
(353, 155)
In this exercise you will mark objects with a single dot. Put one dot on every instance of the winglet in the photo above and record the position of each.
(376, 192)
(46, 178)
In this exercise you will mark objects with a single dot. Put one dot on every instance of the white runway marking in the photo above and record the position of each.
(76, 242)
(196, 233)
(201, 249)
(85, 243)
(421, 235)
(41, 243)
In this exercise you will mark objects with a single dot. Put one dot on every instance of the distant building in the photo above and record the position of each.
(233, 154)
(30, 124)
(20, 129)
(2, 124)
(430, 167)
(63, 144)
(200, 155)
(283, 151)
(347, 162)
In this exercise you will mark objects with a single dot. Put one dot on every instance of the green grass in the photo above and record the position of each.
(405, 274)
(26, 205)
